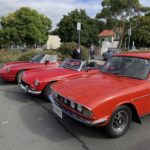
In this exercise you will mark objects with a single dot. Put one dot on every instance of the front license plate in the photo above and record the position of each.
(57, 110)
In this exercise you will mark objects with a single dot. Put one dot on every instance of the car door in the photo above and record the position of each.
(148, 82)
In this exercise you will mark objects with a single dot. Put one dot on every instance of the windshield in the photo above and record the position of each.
(38, 58)
(128, 66)
(53, 58)
(72, 64)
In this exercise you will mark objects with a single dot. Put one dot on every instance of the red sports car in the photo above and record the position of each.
(112, 98)
(12, 71)
(38, 81)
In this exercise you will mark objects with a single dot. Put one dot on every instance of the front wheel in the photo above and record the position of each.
(19, 74)
(119, 122)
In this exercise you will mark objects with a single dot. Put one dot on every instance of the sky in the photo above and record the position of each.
(55, 9)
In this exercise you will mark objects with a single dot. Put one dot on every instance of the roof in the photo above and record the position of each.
(107, 33)
(135, 54)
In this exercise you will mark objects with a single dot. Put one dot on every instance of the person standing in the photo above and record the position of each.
(77, 53)
(91, 50)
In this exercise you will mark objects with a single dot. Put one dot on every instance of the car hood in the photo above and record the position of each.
(17, 63)
(96, 88)
(29, 65)
(48, 74)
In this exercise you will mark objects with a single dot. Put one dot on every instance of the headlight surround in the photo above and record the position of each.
(55, 94)
(87, 112)
(7, 69)
(79, 107)
(36, 82)
(72, 104)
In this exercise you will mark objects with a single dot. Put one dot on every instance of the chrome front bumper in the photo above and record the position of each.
(78, 118)
(27, 90)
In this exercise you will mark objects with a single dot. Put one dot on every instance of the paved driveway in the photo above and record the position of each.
(28, 123)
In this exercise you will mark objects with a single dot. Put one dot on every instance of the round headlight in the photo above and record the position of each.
(79, 108)
(36, 82)
(8, 69)
(65, 101)
(87, 112)
(72, 104)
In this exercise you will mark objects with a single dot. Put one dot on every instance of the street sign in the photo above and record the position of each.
(78, 26)
(129, 31)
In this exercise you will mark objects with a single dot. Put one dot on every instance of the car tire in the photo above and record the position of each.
(47, 91)
(18, 76)
(119, 122)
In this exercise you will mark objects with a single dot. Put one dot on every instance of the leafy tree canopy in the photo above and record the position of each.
(141, 34)
(90, 28)
(25, 26)
(119, 12)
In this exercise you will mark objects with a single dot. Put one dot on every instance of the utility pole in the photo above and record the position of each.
(129, 34)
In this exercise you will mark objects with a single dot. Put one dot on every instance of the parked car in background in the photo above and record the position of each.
(106, 55)
(13, 70)
(38, 81)
(111, 98)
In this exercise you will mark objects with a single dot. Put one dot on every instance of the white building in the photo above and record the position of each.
(108, 38)
(53, 42)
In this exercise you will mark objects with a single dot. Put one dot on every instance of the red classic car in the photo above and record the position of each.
(12, 71)
(39, 81)
(112, 98)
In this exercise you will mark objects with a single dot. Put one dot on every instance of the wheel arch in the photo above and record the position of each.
(19, 72)
(135, 116)
(50, 82)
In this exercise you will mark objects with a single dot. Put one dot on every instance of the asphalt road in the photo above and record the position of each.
(28, 123)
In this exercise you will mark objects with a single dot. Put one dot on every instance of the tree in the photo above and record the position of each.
(120, 12)
(25, 26)
(141, 34)
(90, 28)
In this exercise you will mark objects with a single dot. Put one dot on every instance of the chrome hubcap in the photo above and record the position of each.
(120, 121)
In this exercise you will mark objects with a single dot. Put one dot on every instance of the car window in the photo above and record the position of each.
(72, 64)
(52, 58)
(128, 66)
(38, 58)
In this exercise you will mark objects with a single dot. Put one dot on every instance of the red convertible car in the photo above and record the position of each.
(38, 81)
(13, 70)
(112, 98)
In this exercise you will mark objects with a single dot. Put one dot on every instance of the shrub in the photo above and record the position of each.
(8, 56)
(66, 50)
(27, 55)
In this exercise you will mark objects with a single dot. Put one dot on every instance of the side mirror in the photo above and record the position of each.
(46, 62)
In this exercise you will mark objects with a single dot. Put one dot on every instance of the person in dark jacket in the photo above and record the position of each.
(77, 53)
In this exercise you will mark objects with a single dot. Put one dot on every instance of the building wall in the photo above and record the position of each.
(53, 42)
(107, 44)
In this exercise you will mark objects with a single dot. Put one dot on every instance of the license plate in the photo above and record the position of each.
(57, 110)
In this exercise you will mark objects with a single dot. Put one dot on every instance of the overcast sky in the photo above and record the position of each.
(55, 9)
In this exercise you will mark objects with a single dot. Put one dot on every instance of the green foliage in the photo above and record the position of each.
(9, 56)
(66, 50)
(85, 54)
(25, 26)
(141, 34)
(27, 55)
(119, 13)
(90, 28)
